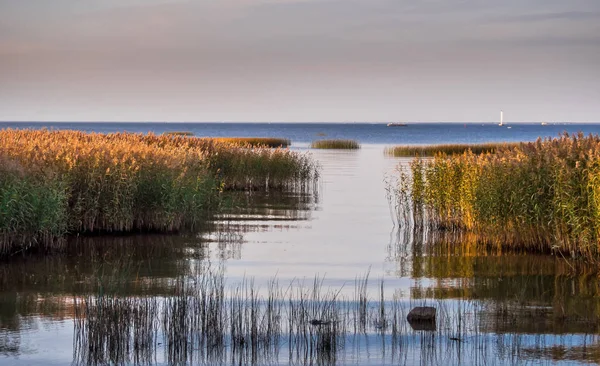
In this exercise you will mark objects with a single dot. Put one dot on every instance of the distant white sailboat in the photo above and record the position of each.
(501, 119)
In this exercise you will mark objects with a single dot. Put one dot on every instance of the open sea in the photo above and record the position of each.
(366, 133)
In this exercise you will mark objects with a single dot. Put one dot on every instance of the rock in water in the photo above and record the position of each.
(422, 314)
(422, 318)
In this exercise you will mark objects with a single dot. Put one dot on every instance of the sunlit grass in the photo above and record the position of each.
(450, 149)
(178, 133)
(335, 144)
(538, 197)
(239, 141)
(254, 141)
(56, 182)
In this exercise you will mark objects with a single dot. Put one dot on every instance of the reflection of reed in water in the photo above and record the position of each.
(42, 289)
(589, 352)
(523, 293)
(203, 322)
(134, 261)
(257, 212)
(267, 206)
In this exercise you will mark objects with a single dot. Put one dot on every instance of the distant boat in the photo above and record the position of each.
(395, 124)
(501, 119)
(544, 123)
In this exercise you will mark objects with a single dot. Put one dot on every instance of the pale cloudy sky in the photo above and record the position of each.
(300, 60)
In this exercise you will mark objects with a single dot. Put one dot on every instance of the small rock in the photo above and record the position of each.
(422, 318)
(421, 314)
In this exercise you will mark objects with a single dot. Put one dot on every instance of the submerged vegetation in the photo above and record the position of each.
(449, 149)
(539, 197)
(58, 182)
(335, 144)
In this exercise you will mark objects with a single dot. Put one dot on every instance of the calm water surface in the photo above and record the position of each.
(518, 309)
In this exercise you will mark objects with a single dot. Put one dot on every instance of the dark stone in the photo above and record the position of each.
(422, 318)
(422, 313)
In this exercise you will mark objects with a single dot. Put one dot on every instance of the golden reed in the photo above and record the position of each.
(540, 197)
(58, 182)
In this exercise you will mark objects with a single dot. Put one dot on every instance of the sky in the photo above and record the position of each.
(300, 60)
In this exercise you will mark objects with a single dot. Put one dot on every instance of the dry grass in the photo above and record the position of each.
(539, 197)
(178, 133)
(335, 144)
(253, 141)
(238, 141)
(54, 182)
(449, 149)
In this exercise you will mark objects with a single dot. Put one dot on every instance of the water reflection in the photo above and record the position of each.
(245, 212)
(588, 353)
(521, 293)
(43, 290)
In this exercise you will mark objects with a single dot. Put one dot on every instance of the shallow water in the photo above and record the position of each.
(514, 308)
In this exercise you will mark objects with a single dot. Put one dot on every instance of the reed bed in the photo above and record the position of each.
(207, 322)
(254, 141)
(243, 167)
(178, 133)
(536, 197)
(335, 144)
(56, 182)
(272, 142)
(448, 149)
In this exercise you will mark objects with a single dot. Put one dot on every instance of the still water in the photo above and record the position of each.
(492, 308)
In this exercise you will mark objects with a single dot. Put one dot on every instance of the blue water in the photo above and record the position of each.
(366, 133)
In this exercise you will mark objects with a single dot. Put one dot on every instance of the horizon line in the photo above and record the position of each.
(293, 122)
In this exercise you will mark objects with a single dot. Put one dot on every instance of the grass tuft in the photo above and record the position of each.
(178, 133)
(335, 144)
(449, 149)
(253, 141)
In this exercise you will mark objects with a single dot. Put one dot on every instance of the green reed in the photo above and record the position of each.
(449, 149)
(335, 144)
(262, 169)
(33, 210)
(57, 182)
(539, 197)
